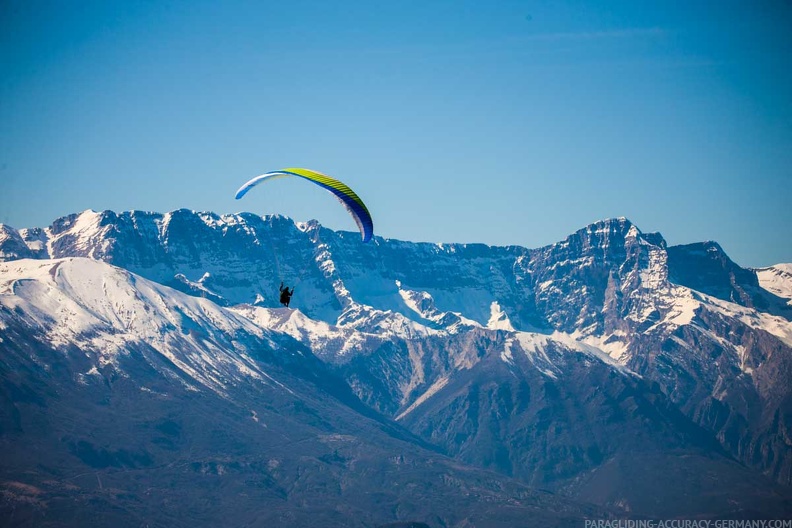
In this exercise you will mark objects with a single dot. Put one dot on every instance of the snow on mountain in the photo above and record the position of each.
(777, 280)
(413, 326)
(706, 268)
(105, 309)
(236, 259)
(246, 257)
(340, 345)
(773, 325)
(127, 403)
(329, 341)
(12, 246)
(498, 320)
(604, 285)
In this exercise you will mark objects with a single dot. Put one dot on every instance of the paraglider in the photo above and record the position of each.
(345, 195)
(285, 295)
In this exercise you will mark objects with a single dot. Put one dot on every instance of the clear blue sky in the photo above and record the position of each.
(503, 122)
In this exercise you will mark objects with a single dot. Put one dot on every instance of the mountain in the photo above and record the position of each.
(582, 367)
(706, 268)
(125, 403)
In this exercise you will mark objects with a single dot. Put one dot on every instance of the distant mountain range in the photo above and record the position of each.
(149, 376)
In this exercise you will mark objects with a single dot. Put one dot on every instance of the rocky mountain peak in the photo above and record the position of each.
(593, 280)
(705, 267)
(12, 246)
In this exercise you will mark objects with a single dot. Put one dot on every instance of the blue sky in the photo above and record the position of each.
(456, 121)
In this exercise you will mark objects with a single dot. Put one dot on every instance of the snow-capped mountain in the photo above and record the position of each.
(577, 367)
(778, 281)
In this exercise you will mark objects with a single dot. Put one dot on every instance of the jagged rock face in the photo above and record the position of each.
(426, 333)
(592, 281)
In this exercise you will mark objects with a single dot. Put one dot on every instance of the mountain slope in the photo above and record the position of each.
(124, 403)
(412, 328)
(549, 410)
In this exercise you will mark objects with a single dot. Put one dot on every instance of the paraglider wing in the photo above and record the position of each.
(258, 179)
(345, 195)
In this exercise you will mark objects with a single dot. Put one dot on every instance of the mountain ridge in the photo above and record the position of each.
(475, 348)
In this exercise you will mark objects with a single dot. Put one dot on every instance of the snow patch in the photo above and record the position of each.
(773, 324)
(614, 345)
(571, 343)
(684, 309)
(498, 319)
(534, 346)
(777, 280)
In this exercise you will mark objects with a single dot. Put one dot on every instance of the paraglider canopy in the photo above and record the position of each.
(345, 195)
